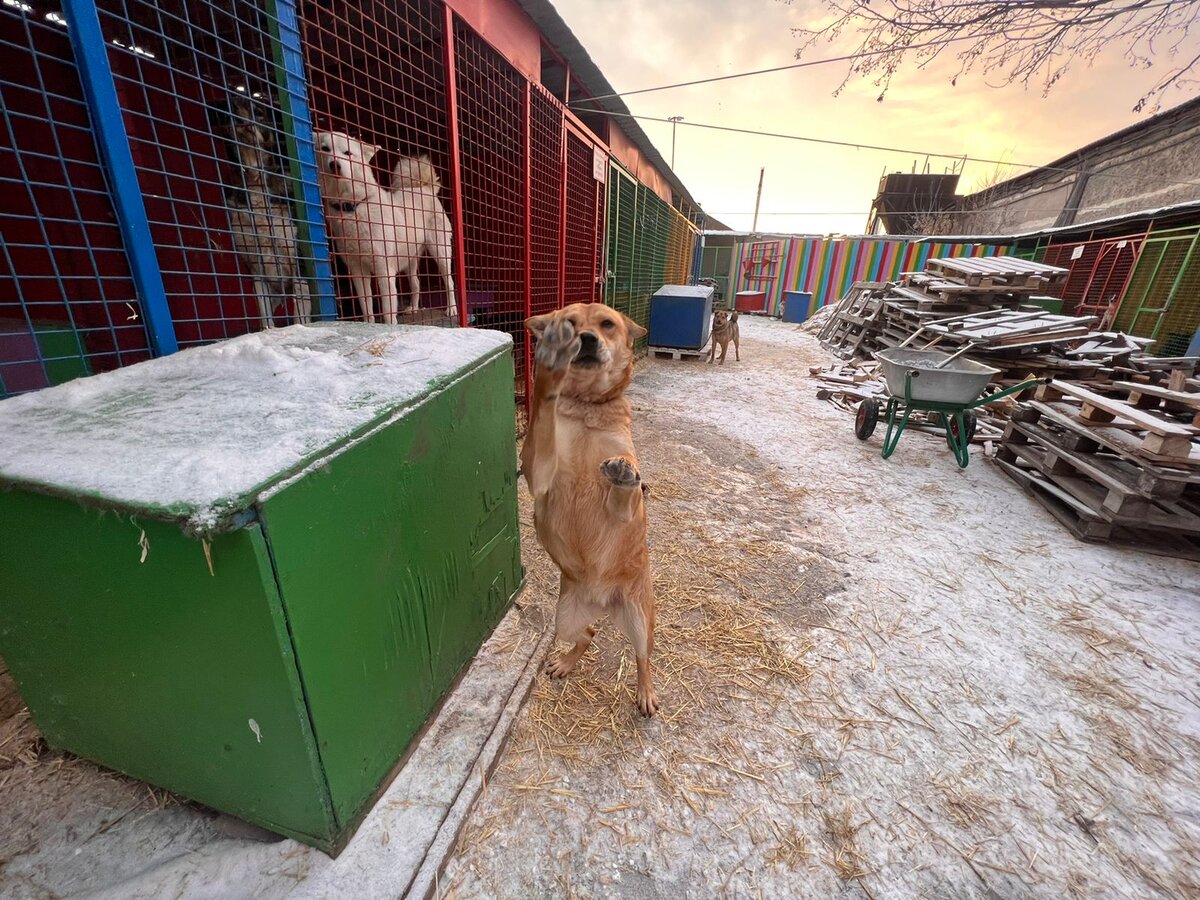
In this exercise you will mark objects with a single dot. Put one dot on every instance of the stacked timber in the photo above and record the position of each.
(1122, 466)
(1111, 447)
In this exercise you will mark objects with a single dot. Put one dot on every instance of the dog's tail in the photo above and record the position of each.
(415, 172)
(733, 317)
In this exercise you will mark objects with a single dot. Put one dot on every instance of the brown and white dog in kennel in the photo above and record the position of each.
(580, 465)
(725, 330)
(260, 213)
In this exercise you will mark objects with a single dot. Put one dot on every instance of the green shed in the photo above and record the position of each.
(248, 572)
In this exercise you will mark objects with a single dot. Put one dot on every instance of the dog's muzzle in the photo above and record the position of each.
(333, 167)
(589, 349)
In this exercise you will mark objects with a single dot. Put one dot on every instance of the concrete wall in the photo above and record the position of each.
(1137, 169)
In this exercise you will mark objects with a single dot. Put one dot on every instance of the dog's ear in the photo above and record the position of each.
(635, 330)
(537, 324)
(368, 152)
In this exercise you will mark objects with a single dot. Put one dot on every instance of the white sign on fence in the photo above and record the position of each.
(599, 164)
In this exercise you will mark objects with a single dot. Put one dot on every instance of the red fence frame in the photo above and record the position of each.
(1099, 274)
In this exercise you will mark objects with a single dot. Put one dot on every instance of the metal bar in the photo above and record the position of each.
(602, 217)
(597, 217)
(562, 217)
(95, 74)
(1141, 301)
(528, 344)
(1183, 268)
(456, 214)
(298, 128)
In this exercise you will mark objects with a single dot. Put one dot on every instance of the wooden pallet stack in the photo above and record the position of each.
(1111, 447)
(1120, 468)
(977, 283)
(948, 301)
(854, 325)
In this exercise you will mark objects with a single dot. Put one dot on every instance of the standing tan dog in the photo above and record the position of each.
(724, 330)
(580, 465)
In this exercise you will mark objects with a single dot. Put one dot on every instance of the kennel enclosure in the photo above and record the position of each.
(136, 135)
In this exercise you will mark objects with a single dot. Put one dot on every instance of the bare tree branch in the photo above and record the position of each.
(1019, 41)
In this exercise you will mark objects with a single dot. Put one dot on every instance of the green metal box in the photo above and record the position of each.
(248, 572)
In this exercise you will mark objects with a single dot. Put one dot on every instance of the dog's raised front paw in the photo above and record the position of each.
(557, 346)
(619, 471)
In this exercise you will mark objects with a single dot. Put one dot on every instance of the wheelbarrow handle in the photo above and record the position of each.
(1015, 389)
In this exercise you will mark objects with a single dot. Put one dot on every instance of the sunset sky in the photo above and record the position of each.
(811, 188)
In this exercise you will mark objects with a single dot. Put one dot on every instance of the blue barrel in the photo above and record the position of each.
(680, 316)
(796, 306)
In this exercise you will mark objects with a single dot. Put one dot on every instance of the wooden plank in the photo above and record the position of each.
(1127, 445)
(1088, 528)
(1160, 393)
(1117, 408)
(1084, 524)
(1113, 472)
(1113, 503)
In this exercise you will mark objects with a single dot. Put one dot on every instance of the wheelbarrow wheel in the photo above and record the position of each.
(969, 424)
(866, 419)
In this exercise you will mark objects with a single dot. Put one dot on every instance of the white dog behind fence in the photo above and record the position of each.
(381, 233)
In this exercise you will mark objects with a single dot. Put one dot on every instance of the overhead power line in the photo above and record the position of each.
(863, 146)
(849, 57)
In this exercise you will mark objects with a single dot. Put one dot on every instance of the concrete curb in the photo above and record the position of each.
(426, 883)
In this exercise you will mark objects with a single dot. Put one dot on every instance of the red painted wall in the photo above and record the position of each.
(505, 26)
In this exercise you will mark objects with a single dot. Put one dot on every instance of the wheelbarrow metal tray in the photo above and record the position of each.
(248, 572)
(959, 383)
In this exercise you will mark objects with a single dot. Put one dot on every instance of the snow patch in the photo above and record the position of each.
(196, 434)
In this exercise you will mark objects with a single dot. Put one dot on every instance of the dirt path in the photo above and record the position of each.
(880, 678)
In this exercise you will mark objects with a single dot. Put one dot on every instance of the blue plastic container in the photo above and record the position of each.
(797, 306)
(680, 316)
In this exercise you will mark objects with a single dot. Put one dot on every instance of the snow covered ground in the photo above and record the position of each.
(886, 679)
(883, 678)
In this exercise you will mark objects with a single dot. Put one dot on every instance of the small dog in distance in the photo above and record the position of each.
(724, 331)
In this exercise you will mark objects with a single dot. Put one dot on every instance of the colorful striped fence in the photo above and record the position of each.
(827, 267)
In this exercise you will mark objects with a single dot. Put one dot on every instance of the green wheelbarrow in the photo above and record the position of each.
(940, 384)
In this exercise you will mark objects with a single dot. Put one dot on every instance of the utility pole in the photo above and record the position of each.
(757, 201)
(674, 120)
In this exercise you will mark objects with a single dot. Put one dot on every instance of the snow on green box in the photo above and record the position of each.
(200, 435)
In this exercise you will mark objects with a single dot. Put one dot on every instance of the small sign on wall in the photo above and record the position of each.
(599, 164)
(1077, 252)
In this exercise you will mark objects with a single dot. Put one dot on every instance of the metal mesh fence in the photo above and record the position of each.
(1162, 300)
(68, 306)
(650, 243)
(203, 107)
(268, 145)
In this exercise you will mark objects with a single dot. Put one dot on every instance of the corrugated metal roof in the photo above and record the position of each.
(563, 40)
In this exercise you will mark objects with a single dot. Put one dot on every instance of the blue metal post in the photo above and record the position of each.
(91, 58)
(298, 126)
